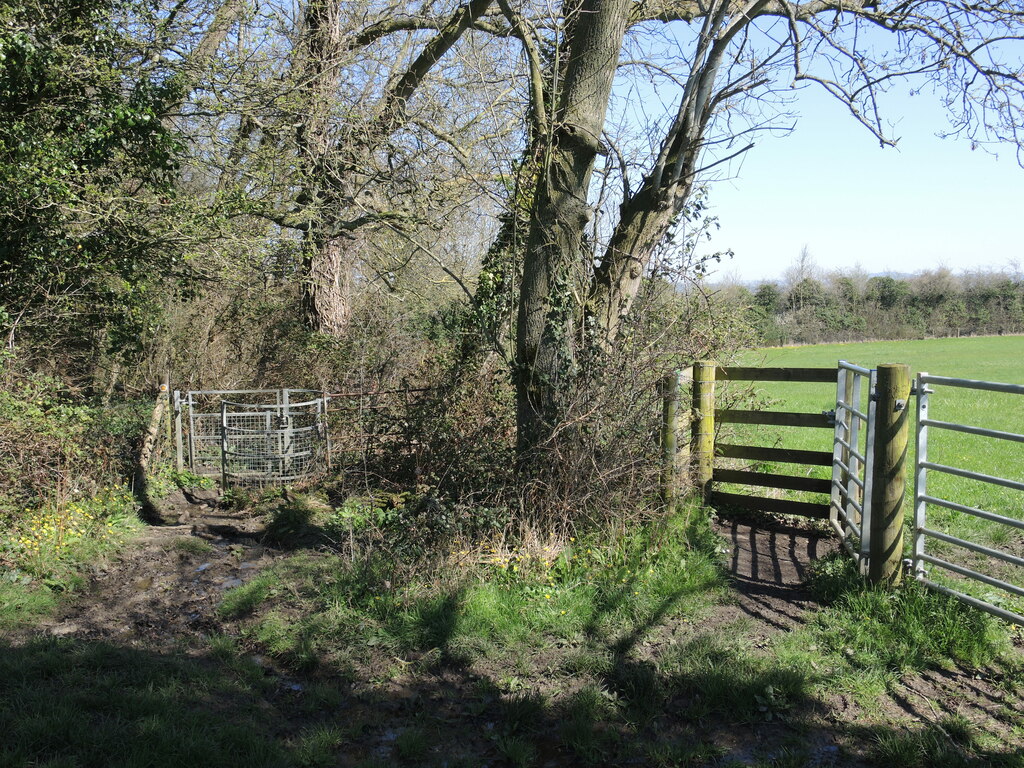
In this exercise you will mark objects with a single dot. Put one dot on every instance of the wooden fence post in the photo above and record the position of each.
(889, 476)
(669, 440)
(703, 431)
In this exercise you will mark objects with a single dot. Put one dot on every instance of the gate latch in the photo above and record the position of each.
(831, 416)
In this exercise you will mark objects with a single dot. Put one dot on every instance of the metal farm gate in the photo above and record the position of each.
(868, 478)
(984, 557)
(252, 437)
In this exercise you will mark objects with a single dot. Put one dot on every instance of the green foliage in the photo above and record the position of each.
(908, 628)
(85, 161)
(290, 520)
(56, 447)
(507, 597)
(63, 503)
(884, 307)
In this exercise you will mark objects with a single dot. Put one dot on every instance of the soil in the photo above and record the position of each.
(768, 562)
(163, 595)
(167, 588)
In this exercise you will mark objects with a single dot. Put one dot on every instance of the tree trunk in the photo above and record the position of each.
(646, 218)
(327, 284)
(556, 252)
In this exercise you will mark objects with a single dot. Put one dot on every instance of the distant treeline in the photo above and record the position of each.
(844, 307)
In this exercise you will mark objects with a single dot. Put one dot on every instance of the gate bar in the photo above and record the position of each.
(974, 430)
(971, 574)
(988, 386)
(1013, 522)
(969, 475)
(1010, 616)
(979, 548)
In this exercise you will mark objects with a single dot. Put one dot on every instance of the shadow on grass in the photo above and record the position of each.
(429, 699)
(80, 703)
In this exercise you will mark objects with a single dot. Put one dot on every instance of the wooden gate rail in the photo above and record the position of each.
(760, 453)
(860, 483)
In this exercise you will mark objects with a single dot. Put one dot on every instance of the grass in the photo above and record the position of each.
(69, 703)
(559, 592)
(589, 652)
(553, 643)
(44, 549)
(993, 359)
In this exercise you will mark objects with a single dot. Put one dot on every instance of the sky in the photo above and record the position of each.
(829, 187)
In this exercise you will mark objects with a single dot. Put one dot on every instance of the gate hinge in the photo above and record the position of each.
(926, 390)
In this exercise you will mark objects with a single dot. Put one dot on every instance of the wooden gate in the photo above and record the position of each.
(846, 494)
(705, 376)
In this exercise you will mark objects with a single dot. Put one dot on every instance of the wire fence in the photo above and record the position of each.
(267, 437)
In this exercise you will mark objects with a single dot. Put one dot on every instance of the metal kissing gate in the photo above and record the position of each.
(852, 465)
(252, 437)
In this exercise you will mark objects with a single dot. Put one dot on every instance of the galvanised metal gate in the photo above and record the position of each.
(923, 499)
(853, 460)
(252, 437)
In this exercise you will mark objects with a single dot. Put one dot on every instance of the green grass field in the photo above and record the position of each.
(990, 359)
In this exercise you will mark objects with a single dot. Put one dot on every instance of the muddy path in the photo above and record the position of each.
(162, 596)
(769, 564)
(163, 592)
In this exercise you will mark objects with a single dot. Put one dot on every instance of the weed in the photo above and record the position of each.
(244, 599)
(683, 754)
(522, 712)
(923, 748)
(316, 746)
(907, 628)
(22, 602)
(222, 647)
(290, 521)
(519, 752)
(192, 545)
(412, 744)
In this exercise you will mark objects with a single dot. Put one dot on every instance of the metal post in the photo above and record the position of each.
(893, 395)
(286, 434)
(839, 475)
(853, 491)
(191, 433)
(223, 445)
(920, 475)
(327, 429)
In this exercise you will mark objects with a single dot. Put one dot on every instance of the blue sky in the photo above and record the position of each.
(829, 186)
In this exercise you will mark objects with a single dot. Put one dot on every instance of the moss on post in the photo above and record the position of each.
(889, 477)
(703, 432)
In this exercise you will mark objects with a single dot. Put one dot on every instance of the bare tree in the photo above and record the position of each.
(577, 286)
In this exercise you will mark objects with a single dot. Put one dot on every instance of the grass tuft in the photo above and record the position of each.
(902, 629)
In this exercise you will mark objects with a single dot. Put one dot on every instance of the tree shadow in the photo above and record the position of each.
(695, 698)
(86, 703)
